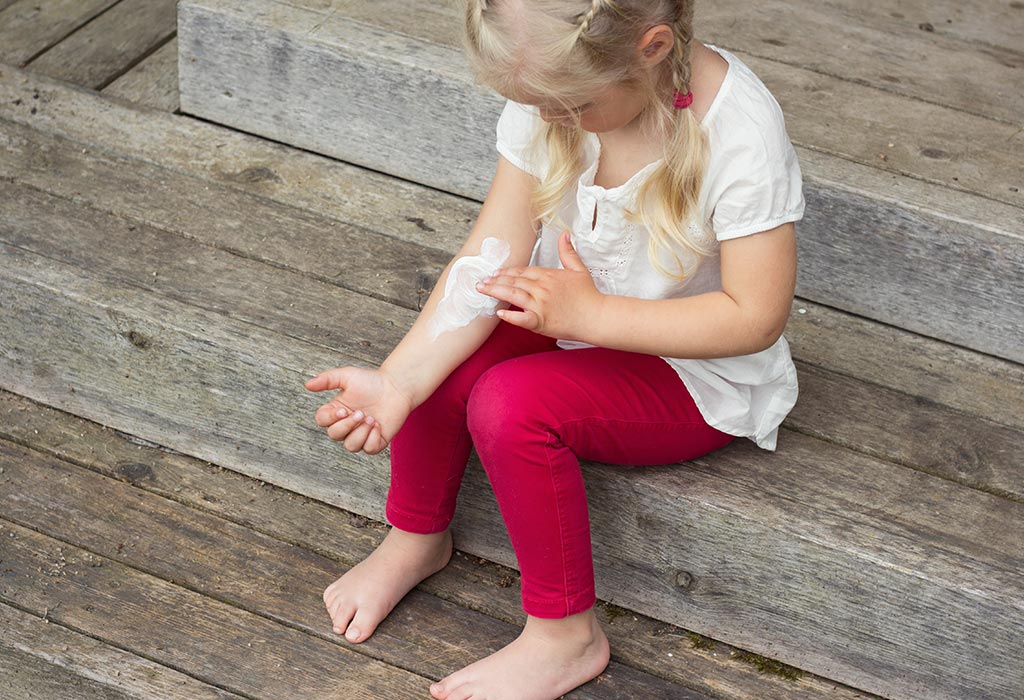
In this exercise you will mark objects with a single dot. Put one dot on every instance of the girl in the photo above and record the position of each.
(647, 332)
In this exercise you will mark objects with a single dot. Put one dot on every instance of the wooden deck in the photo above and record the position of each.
(144, 552)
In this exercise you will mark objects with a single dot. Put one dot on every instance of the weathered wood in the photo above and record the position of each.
(992, 22)
(279, 581)
(637, 640)
(101, 663)
(196, 634)
(861, 252)
(898, 57)
(834, 408)
(110, 44)
(859, 48)
(27, 27)
(867, 573)
(153, 82)
(25, 677)
(825, 337)
(421, 48)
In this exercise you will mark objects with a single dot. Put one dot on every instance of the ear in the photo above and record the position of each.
(656, 44)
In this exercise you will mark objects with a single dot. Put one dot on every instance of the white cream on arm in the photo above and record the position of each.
(462, 302)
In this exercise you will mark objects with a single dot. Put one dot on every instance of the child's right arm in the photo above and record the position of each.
(418, 365)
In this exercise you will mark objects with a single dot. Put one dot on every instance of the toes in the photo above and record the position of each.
(450, 688)
(341, 616)
(362, 626)
(463, 692)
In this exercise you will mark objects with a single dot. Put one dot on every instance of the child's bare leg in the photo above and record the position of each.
(364, 596)
(549, 658)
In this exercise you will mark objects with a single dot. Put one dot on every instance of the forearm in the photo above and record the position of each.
(420, 364)
(701, 326)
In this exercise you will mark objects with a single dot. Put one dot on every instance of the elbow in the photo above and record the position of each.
(762, 334)
(770, 334)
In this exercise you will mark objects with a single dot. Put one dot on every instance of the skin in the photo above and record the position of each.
(552, 656)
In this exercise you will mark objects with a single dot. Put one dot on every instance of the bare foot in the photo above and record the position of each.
(364, 596)
(549, 658)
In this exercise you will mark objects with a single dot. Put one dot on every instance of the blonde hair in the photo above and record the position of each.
(566, 50)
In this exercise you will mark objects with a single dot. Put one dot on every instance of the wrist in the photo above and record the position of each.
(596, 321)
(402, 384)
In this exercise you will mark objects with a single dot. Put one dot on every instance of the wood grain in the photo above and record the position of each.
(28, 27)
(298, 244)
(183, 629)
(856, 539)
(424, 634)
(153, 82)
(100, 663)
(110, 44)
(636, 639)
(862, 252)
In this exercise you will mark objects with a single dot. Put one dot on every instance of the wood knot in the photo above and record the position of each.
(256, 174)
(138, 339)
(684, 580)
(135, 471)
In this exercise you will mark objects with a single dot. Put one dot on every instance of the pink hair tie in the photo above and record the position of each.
(682, 101)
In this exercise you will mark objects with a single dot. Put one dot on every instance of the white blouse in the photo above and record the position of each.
(753, 183)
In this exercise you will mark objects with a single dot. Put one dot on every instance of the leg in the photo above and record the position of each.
(428, 459)
(532, 418)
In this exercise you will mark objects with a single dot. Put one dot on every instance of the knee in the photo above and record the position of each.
(503, 402)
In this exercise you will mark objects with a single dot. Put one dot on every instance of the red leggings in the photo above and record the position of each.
(533, 410)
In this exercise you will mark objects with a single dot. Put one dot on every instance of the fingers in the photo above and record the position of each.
(530, 273)
(331, 379)
(523, 319)
(374, 441)
(505, 291)
(328, 414)
(342, 427)
(358, 432)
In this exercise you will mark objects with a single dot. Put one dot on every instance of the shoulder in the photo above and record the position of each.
(748, 121)
(518, 129)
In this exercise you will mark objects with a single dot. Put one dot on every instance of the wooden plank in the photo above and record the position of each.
(993, 22)
(832, 407)
(28, 27)
(205, 638)
(899, 255)
(105, 665)
(424, 634)
(874, 553)
(940, 67)
(855, 46)
(823, 336)
(955, 136)
(108, 46)
(153, 82)
(909, 430)
(636, 640)
(24, 677)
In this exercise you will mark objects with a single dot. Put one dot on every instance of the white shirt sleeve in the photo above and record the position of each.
(517, 126)
(757, 184)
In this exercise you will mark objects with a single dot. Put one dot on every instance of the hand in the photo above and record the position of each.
(373, 407)
(555, 303)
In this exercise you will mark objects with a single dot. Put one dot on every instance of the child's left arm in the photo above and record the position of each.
(747, 316)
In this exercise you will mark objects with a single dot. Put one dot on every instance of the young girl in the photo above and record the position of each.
(648, 331)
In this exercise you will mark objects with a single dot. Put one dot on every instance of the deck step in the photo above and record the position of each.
(174, 323)
(928, 240)
(477, 585)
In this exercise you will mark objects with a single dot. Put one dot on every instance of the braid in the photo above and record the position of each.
(682, 28)
(588, 17)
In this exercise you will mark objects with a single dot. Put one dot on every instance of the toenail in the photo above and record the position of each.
(352, 634)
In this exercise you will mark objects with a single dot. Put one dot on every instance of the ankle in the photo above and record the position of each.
(581, 628)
